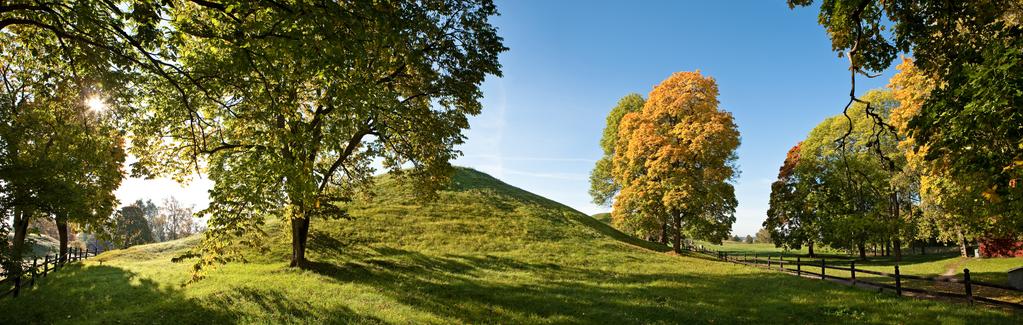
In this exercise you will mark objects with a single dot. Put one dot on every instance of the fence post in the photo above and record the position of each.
(768, 261)
(898, 281)
(781, 265)
(822, 268)
(852, 270)
(46, 265)
(17, 285)
(35, 261)
(799, 266)
(967, 285)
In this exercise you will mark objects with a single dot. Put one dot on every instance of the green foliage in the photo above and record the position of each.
(58, 158)
(970, 123)
(401, 260)
(286, 106)
(763, 236)
(603, 187)
(842, 187)
(131, 227)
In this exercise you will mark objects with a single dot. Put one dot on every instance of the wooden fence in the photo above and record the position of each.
(807, 268)
(34, 270)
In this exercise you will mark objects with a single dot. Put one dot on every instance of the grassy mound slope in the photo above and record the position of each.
(484, 252)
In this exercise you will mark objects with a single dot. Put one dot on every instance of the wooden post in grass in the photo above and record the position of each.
(822, 268)
(32, 282)
(799, 266)
(967, 285)
(898, 281)
(768, 261)
(17, 285)
(852, 272)
(46, 265)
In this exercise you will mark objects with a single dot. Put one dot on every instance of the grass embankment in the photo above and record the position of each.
(485, 252)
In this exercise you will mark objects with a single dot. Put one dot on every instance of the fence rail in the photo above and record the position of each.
(33, 270)
(802, 267)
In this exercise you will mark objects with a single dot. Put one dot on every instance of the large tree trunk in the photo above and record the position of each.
(299, 234)
(809, 245)
(962, 244)
(63, 238)
(676, 240)
(862, 246)
(18, 248)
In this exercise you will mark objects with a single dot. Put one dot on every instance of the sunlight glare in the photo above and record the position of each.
(96, 104)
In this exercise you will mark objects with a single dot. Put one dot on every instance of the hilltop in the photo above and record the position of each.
(485, 251)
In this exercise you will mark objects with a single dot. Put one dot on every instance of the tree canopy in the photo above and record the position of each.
(675, 161)
(297, 100)
(967, 117)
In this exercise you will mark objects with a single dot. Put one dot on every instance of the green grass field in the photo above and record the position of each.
(485, 252)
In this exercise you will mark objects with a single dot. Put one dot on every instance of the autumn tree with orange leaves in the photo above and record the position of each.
(675, 161)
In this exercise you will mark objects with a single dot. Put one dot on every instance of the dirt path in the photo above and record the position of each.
(952, 269)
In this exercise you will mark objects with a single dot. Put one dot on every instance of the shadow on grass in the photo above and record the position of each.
(104, 294)
(471, 289)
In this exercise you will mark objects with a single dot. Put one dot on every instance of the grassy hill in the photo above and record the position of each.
(484, 252)
(603, 217)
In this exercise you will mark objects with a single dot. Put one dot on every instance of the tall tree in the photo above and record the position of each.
(973, 50)
(952, 206)
(299, 99)
(847, 186)
(58, 157)
(675, 157)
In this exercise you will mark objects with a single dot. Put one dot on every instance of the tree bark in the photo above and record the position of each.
(809, 245)
(299, 234)
(862, 246)
(962, 244)
(20, 223)
(63, 237)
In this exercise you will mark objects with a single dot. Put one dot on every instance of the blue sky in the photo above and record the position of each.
(570, 61)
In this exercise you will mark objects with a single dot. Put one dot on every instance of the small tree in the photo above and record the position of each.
(131, 227)
(749, 239)
(763, 236)
(179, 220)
